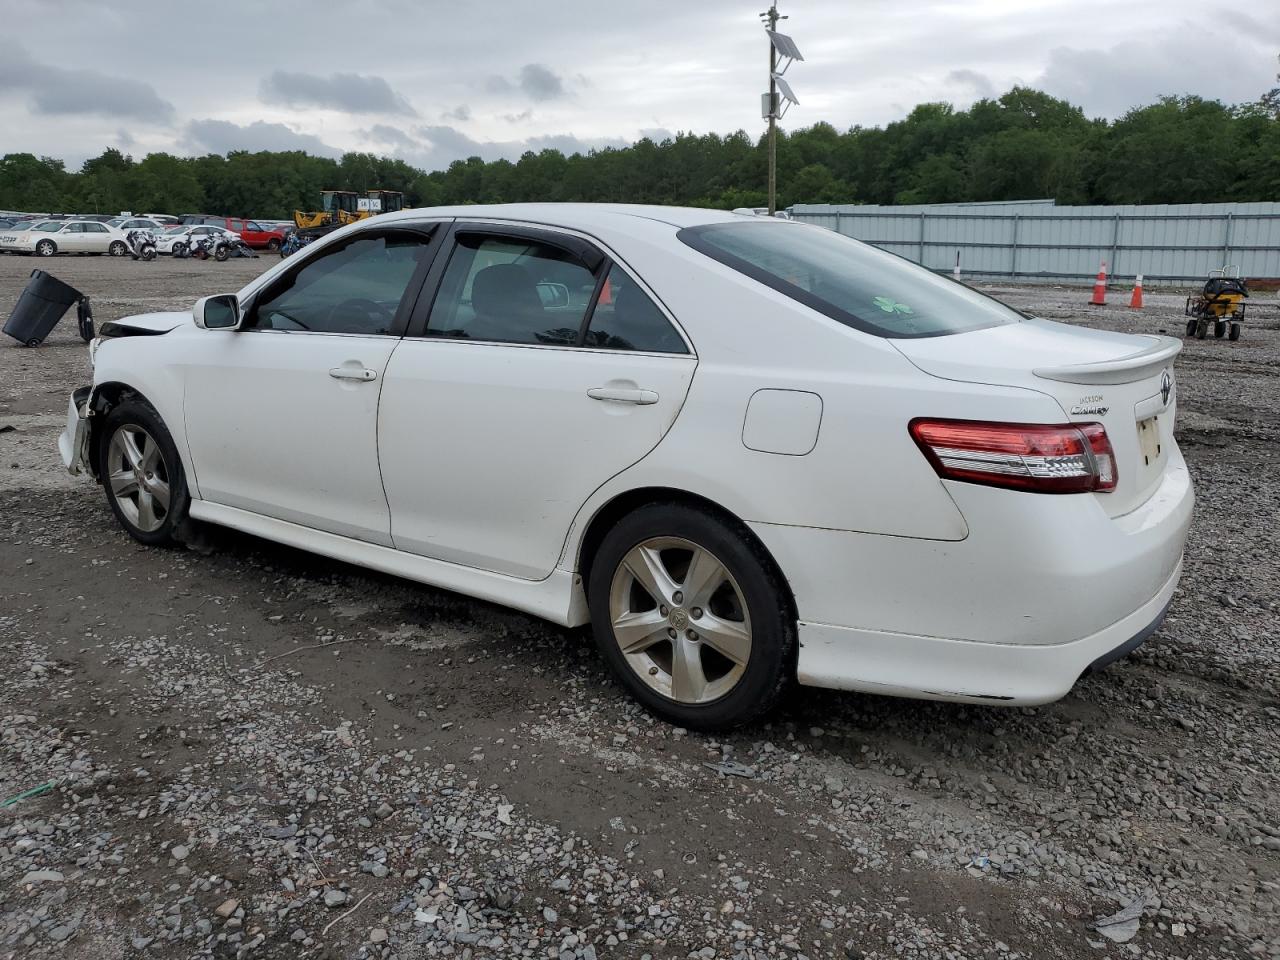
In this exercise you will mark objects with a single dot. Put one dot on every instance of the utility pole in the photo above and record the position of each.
(772, 17)
(781, 47)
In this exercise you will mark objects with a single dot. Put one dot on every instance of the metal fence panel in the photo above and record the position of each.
(1036, 239)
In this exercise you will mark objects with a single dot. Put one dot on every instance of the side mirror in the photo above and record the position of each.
(553, 294)
(219, 312)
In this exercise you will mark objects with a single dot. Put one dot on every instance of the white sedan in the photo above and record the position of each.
(178, 238)
(49, 237)
(746, 451)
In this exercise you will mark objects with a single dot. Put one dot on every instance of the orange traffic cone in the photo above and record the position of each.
(1136, 300)
(1099, 297)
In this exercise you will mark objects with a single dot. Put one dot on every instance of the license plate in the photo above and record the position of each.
(1149, 439)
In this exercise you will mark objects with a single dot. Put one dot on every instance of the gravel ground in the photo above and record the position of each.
(247, 751)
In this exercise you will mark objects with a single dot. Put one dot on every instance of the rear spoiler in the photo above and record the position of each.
(1136, 366)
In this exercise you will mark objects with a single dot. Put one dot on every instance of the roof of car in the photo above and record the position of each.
(613, 216)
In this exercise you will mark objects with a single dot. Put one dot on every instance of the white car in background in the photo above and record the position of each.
(49, 237)
(747, 451)
(141, 223)
(175, 239)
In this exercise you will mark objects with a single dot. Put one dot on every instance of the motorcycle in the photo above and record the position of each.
(142, 244)
(295, 241)
(216, 246)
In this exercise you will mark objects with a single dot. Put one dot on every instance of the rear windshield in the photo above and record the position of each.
(849, 281)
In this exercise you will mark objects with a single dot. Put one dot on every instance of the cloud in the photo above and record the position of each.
(976, 85)
(539, 83)
(1172, 63)
(58, 91)
(520, 117)
(348, 92)
(124, 139)
(223, 136)
(381, 133)
(438, 146)
(656, 134)
(461, 113)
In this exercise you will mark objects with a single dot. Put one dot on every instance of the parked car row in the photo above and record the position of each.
(45, 238)
(95, 234)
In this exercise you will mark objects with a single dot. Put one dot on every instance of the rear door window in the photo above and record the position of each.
(849, 281)
(625, 318)
(511, 290)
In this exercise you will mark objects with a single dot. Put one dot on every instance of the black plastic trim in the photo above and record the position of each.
(1130, 645)
(121, 328)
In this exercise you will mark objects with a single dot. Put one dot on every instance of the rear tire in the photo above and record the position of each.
(716, 659)
(142, 474)
(1235, 332)
(1202, 329)
(273, 244)
(1191, 327)
(1219, 329)
(179, 250)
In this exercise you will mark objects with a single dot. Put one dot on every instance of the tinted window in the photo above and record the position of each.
(252, 226)
(511, 291)
(356, 288)
(852, 282)
(626, 319)
(49, 226)
(95, 228)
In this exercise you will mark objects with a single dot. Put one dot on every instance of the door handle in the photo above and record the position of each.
(623, 395)
(353, 373)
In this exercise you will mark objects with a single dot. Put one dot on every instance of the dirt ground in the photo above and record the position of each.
(250, 751)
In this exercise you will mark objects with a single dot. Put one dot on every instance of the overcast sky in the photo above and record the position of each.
(432, 82)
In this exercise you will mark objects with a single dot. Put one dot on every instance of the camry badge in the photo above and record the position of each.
(1166, 387)
(1090, 407)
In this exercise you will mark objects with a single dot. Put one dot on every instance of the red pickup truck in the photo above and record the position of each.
(251, 232)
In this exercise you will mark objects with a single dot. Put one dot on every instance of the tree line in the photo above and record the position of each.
(1022, 145)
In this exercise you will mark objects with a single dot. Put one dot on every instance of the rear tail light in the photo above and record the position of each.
(1066, 458)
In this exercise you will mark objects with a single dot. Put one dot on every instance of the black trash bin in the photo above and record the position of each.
(41, 306)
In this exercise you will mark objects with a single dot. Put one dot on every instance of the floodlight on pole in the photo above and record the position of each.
(781, 48)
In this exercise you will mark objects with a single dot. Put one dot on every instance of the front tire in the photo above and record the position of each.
(1235, 332)
(690, 614)
(118, 248)
(46, 248)
(142, 473)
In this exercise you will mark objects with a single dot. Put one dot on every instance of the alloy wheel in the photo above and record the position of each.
(138, 477)
(680, 620)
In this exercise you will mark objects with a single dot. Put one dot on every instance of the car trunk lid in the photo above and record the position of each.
(1123, 381)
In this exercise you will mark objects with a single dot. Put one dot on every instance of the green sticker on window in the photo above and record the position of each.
(889, 305)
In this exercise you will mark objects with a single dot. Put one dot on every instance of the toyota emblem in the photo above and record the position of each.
(1166, 386)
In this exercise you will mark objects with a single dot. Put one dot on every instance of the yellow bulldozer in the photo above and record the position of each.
(339, 207)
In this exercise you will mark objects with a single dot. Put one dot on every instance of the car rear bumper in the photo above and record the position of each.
(934, 668)
(1041, 588)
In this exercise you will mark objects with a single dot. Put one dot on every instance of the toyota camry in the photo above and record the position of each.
(748, 452)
